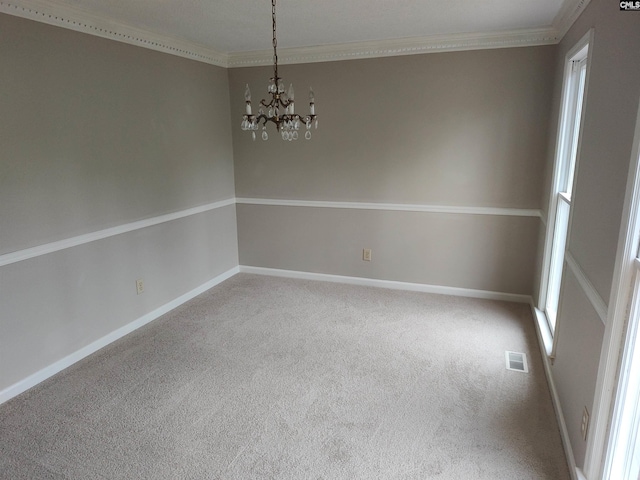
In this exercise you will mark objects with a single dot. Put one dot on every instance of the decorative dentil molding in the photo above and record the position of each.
(568, 14)
(67, 17)
(397, 47)
(80, 21)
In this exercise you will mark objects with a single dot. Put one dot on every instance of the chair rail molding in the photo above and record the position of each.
(27, 253)
(589, 290)
(400, 207)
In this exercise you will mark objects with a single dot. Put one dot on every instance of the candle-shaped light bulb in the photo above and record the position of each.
(290, 96)
(312, 102)
(247, 99)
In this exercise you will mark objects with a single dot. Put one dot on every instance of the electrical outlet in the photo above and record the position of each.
(366, 254)
(139, 286)
(584, 426)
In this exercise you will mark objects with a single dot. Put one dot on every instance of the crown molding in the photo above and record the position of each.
(568, 14)
(73, 19)
(50, 12)
(404, 46)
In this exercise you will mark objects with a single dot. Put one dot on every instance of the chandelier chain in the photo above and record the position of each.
(275, 40)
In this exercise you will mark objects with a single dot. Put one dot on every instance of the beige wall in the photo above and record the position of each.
(462, 128)
(576, 364)
(415, 247)
(610, 111)
(98, 134)
(448, 129)
(54, 305)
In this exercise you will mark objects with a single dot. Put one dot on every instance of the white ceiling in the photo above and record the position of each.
(221, 31)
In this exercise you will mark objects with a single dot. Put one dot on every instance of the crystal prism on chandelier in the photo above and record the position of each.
(280, 108)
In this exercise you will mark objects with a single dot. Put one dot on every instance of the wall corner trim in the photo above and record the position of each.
(49, 371)
(390, 284)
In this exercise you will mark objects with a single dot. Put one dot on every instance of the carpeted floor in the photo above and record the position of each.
(270, 378)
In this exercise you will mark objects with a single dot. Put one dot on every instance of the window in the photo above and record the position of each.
(613, 451)
(622, 457)
(563, 180)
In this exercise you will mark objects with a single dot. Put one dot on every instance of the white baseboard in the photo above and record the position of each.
(49, 371)
(372, 282)
(574, 471)
(69, 360)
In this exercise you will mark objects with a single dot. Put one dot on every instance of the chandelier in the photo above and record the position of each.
(280, 108)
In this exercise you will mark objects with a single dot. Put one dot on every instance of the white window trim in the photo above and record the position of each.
(621, 461)
(599, 446)
(585, 42)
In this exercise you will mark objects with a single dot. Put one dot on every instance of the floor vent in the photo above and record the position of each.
(516, 361)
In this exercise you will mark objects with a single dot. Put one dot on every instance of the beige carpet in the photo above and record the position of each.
(268, 378)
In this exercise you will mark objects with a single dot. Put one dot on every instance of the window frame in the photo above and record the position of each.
(568, 145)
(619, 337)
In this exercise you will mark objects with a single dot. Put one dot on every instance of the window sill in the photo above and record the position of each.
(545, 331)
